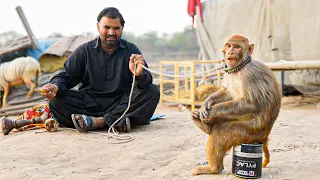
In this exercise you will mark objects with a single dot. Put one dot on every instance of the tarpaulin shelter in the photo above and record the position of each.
(280, 29)
(55, 56)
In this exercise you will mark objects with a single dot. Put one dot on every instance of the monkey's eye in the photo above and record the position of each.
(236, 46)
(228, 45)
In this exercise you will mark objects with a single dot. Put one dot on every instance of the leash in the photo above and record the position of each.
(112, 132)
(189, 75)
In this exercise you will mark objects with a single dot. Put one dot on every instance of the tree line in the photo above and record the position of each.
(178, 46)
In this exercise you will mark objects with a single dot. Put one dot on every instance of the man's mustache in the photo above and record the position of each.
(108, 36)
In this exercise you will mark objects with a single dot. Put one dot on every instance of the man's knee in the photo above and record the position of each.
(56, 102)
(153, 91)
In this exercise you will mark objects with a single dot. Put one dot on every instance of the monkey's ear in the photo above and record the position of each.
(250, 50)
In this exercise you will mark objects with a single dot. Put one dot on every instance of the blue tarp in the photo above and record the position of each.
(43, 45)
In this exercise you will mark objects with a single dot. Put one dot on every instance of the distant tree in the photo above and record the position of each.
(184, 41)
(166, 45)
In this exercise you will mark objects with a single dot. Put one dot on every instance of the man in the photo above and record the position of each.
(105, 68)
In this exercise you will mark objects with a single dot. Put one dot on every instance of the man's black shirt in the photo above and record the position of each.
(103, 77)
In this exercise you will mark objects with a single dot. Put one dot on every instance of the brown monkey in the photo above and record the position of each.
(243, 110)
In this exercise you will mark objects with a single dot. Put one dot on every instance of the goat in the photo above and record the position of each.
(19, 71)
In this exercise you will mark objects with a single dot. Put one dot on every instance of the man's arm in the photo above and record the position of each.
(145, 78)
(72, 73)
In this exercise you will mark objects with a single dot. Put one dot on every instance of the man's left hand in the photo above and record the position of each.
(138, 58)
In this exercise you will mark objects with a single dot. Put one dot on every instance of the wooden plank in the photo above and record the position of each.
(168, 81)
(16, 48)
(14, 113)
(20, 106)
(26, 100)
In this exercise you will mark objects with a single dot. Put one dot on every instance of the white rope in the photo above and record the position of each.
(112, 132)
(170, 75)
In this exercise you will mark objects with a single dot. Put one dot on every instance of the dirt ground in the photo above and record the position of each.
(168, 148)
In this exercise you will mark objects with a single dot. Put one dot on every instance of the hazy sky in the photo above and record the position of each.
(77, 16)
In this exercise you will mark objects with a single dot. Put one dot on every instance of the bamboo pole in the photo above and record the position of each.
(32, 38)
(284, 65)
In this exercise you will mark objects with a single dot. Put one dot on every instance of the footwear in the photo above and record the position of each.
(86, 125)
(126, 127)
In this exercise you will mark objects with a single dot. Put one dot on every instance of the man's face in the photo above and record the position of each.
(110, 31)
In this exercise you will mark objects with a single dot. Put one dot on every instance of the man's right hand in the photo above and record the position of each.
(50, 90)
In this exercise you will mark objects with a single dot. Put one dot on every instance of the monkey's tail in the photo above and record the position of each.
(266, 154)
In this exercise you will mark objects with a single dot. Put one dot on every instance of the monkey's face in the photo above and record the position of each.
(233, 54)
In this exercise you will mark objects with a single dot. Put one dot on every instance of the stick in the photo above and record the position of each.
(40, 90)
(20, 106)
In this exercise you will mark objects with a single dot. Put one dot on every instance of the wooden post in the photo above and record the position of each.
(186, 78)
(26, 25)
(193, 86)
(161, 83)
(282, 82)
(176, 83)
(219, 75)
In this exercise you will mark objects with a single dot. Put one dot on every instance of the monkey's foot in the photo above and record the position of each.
(7, 125)
(205, 170)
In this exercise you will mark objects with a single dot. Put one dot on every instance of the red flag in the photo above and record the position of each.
(192, 9)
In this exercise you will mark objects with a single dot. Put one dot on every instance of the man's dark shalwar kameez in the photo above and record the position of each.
(106, 81)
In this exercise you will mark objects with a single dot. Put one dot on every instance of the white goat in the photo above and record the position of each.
(19, 71)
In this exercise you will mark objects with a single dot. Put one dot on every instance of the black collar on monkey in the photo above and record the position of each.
(237, 68)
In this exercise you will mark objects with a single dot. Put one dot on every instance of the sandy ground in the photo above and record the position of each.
(168, 148)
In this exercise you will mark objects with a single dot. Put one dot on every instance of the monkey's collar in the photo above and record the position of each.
(237, 68)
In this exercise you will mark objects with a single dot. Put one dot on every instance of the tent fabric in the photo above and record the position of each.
(67, 44)
(43, 45)
(279, 29)
(55, 56)
(51, 63)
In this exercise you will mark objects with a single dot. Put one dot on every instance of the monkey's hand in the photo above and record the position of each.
(205, 110)
(195, 115)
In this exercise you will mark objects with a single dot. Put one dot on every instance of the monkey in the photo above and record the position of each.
(243, 110)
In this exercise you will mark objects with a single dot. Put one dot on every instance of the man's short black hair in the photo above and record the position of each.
(111, 12)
